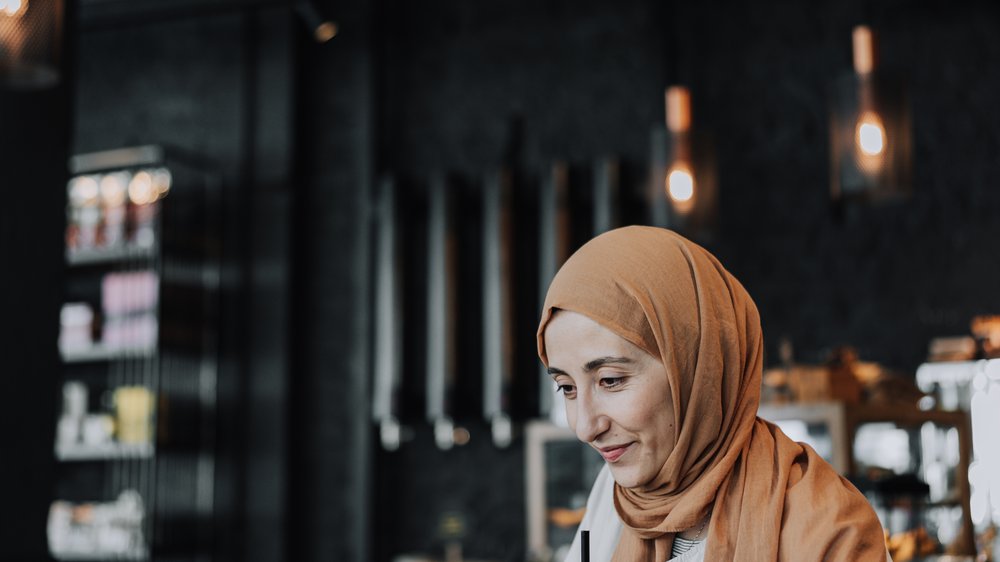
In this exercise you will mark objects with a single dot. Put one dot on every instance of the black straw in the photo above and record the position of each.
(584, 546)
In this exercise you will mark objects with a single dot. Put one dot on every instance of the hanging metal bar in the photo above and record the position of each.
(387, 346)
(497, 314)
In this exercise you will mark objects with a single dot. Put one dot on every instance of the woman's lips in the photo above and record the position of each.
(612, 454)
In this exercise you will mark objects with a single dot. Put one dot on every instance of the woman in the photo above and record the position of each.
(658, 352)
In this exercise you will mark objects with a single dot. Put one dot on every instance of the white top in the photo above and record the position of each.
(604, 525)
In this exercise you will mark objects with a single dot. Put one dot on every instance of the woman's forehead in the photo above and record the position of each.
(572, 333)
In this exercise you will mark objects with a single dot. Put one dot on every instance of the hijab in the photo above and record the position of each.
(769, 497)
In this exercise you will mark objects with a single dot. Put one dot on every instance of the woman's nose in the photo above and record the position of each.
(591, 421)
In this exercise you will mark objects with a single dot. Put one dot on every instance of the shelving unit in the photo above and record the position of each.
(125, 253)
(99, 352)
(135, 438)
(934, 445)
(104, 451)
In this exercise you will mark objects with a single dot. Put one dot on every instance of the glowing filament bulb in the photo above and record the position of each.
(870, 135)
(11, 8)
(680, 184)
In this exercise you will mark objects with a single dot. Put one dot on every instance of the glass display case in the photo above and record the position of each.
(134, 436)
(912, 465)
(974, 387)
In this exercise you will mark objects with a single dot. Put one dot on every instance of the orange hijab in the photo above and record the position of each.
(770, 498)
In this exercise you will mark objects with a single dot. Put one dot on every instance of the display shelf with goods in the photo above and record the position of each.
(912, 464)
(137, 339)
(974, 387)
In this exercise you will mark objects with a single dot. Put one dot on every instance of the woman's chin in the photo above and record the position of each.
(626, 477)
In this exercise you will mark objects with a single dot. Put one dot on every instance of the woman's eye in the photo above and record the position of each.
(566, 389)
(612, 382)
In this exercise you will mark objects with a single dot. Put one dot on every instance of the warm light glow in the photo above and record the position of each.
(680, 184)
(12, 8)
(141, 190)
(83, 191)
(325, 31)
(113, 189)
(863, 41)
(870, 135)
(161, 182)
(678, 102)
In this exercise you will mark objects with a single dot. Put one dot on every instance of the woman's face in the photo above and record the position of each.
(617, 396)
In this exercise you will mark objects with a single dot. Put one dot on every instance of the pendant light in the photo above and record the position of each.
(870, 133)
(683, 190)
(30, 45)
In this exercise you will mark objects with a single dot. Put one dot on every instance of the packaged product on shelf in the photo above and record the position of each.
(143, 194)
(113, 203)
(134, 332)
(133, 414)
(74, 407)
(84, 213)
(76, 323)
(129, 301)
(98, 429)
(94, 530)
(129, 292)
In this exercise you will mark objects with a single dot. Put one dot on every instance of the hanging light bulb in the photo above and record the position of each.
(30, 44)
(870, 135)
(869, 132)
(680, 180)
(13, 8)
(12, 36)
(681, 187)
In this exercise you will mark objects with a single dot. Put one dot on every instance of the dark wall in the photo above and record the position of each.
(35, 125)
(588, 78)
(34, 146)
(329, 466)
(888, 279)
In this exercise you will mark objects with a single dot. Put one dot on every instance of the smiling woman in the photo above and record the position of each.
(657, 351)
(617, 396)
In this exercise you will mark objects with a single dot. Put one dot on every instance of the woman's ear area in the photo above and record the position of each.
(547, 316)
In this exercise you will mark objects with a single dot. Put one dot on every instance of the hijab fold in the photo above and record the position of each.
(769, 497)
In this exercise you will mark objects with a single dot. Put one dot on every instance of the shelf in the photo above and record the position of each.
(107, 451)
(109, 255)
(100, 352)
(131, 555)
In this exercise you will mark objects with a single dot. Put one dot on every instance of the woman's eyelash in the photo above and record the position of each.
(611, 382)
(564, 388)
(606, 382)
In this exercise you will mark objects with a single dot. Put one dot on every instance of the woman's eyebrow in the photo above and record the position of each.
(602, 361)
(595, 364)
